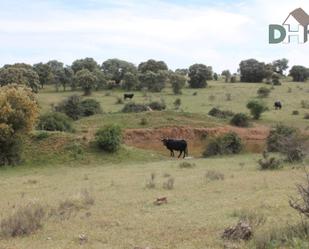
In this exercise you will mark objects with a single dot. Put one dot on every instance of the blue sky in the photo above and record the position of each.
(217, 33)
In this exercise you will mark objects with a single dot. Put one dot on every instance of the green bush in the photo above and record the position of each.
(55, 121)
(229, 143)
(11, 150)
(157, 106)
(90, 107)
(71, 107)
(275, 135)
(268, 162)
(216, 112)
(132, 107)
(177, 103)
(263, 92)
(76, 108)
(256, 108)
(109, 138)
(240, 120)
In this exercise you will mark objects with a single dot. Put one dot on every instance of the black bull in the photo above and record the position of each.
(278, 105)
(178, 145)
(128, 95)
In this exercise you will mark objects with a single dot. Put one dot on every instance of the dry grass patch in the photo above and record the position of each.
(23, 221)
(67, 207)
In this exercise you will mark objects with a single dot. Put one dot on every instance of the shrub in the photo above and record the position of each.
(253, 217)
(151, 183)
(306, 116)
(24, 221)
(132, 107)
(41, 135)
(178, 82)
(213, 175)
(71, 107)
(263, 92)
(229, 143)
(177, 103)
(293, 147)
(75, 107)
(269, 162)
(18, 114)
(275, 79)
(304, 104)
(119, 101)
(275, 135)
(216, 112)
(82, 200)
(240, 119)
(11, 148)
(295, 112)
(169, 183)
(233, 79)
(157, 106)
(90, 107)
(55, 121)
(184, 165)
(144, 121)
(109, 138)
(256, 108)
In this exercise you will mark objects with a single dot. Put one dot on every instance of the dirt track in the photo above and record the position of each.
(254, 138)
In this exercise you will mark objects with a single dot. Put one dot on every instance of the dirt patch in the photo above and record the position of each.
(150, 138)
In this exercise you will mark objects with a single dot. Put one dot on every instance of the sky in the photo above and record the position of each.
(217, 33)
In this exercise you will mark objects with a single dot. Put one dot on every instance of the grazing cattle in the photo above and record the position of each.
(128, 96)
(178, 145)
(278, 105)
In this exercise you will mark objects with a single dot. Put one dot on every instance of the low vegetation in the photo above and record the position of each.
(109, 138)
(55, 121)
(226, 144)
(25, 220)
(216, 112)
(240, 120)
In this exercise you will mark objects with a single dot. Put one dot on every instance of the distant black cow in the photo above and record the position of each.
(178, 145)
(278, 105)
(128, 96)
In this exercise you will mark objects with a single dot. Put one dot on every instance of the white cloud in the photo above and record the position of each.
(218, 35)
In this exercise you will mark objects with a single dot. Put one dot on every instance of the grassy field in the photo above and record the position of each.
(58, 168)
(124, 216)
(290, 93)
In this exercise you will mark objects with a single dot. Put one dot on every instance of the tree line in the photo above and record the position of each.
(151, 75)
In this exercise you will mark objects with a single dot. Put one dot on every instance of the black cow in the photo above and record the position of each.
(178, 145)
(128, 95)
(278, 105)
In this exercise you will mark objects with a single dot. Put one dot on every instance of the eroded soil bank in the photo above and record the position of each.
(254, 138)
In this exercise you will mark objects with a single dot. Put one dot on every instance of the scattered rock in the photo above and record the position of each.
(242, 231)
(82, 238)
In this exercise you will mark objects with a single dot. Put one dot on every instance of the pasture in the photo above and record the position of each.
(203, 199)
(123, 214)
(290, 93)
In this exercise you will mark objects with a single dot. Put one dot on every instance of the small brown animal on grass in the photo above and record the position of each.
(160, 201)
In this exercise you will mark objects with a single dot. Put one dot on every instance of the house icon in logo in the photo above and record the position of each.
(295, 27)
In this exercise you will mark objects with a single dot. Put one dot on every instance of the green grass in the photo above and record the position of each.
(200, 104)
